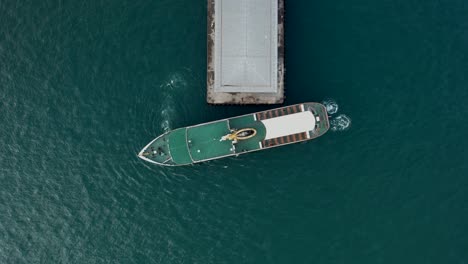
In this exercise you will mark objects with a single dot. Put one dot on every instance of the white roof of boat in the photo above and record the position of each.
(289, 124)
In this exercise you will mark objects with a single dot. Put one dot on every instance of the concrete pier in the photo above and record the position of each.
(245, 52)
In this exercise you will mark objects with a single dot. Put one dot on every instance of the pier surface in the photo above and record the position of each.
(245, 52)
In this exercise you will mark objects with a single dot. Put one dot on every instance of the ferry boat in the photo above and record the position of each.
(238, 135)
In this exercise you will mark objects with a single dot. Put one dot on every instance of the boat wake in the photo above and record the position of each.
(166, 117)
(168, 89)
(331, 105)
(340, 123)
(175, 81)
(337, 123)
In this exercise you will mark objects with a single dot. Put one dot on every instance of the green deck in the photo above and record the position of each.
(248, 122)
(178, 146)
(204, 141)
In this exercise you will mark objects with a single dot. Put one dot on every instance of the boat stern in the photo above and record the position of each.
(322, 123)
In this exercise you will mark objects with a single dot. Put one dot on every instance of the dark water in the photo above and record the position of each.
(85, 84)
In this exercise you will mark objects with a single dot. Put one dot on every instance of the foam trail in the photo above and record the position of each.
(166, 116)
(331, 105)
(340, 123)
(176, 81)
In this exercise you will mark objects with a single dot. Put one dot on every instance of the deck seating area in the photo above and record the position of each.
(278, 112)
(284, 140)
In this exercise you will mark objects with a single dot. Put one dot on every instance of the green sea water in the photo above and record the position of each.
(84, 85)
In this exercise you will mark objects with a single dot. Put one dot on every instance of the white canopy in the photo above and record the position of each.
(289, 124)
